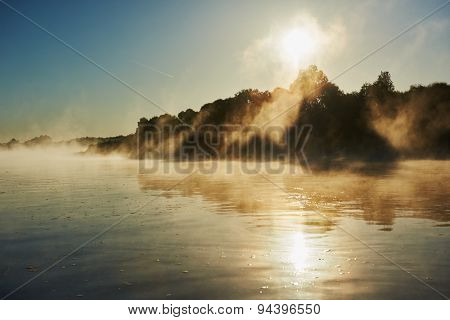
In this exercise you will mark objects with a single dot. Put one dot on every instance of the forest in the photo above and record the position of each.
(376, 123)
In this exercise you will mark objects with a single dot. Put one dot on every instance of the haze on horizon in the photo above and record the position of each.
(183, 55)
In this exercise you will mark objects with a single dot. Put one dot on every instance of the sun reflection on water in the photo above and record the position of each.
(298, 250)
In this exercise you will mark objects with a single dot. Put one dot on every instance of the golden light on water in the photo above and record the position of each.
(298, 251)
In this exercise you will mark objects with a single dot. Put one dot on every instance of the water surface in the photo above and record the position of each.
(336, 235)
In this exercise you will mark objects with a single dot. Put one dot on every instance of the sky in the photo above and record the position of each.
(183, 54)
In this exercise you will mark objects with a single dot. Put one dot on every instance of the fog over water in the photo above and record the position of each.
(222, 235)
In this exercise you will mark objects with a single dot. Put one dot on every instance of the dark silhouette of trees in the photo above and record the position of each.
(377, 123)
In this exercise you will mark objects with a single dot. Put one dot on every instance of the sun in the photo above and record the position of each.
(298, 45)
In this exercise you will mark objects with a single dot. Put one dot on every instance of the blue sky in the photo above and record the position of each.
(203, 45)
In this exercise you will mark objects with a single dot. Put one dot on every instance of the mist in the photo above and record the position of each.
(417, 122)
(375, 124)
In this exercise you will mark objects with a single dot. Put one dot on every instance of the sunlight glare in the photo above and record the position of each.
(297, 45)
(299, 251)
